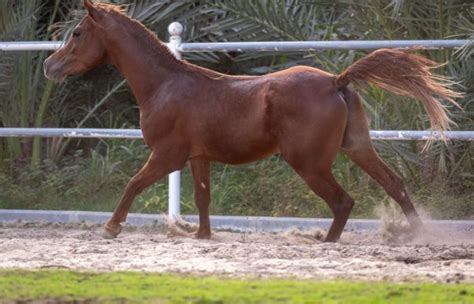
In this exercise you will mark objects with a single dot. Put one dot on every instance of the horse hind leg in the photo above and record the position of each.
(367, 159)
(325, 186)
(312, 153)
(357, 145)
(316, 172)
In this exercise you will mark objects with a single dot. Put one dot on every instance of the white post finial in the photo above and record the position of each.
(175, 30)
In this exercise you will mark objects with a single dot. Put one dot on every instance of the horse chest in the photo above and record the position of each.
(155, 126)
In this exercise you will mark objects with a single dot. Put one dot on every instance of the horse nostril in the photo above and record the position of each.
(45, 65)
(52, 69)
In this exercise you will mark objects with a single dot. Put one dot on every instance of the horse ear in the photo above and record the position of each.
(88, 5)
(91, 9)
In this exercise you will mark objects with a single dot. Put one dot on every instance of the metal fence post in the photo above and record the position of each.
(175, 30)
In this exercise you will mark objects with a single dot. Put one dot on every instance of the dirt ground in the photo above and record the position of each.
(383, 255)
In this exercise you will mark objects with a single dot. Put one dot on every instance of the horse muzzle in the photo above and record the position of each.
(54, 70)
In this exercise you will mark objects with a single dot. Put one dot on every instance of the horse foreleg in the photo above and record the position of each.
(202, 195)
(153, 170)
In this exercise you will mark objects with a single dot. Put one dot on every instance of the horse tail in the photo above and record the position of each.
(404, 73)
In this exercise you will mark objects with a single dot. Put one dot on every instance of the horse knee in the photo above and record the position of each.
(133, 186)
(396, 187)
(348, 204)
(342, 206)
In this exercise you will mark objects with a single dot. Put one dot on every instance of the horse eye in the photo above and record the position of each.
(76, 34)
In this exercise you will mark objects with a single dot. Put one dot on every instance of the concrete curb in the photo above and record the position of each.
(238, 223)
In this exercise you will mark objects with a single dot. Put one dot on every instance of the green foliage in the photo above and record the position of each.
(25, 93)
(90, 183)
(266, 188)
(68, 286)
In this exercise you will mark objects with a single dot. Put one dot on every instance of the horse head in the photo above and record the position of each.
(83, 51)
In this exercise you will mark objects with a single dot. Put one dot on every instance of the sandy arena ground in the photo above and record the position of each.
(367, 256)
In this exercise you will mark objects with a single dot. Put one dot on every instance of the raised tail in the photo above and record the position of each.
(404, 73)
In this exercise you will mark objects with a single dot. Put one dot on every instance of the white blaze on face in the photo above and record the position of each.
(203, 185)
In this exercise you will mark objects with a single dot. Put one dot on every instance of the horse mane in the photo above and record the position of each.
(152, 40)
(108, 7)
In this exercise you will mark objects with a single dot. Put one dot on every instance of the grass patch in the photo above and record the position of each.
(60, 286)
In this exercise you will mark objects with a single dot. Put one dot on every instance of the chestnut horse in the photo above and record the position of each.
(189, 113)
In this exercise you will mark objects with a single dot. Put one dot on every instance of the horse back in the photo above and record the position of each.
(241, 119)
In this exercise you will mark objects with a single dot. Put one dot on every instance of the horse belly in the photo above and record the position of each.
(242, 146)
(248, 154)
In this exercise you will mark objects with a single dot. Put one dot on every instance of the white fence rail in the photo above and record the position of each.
(278, 46)
(137, 133)
(177, 47)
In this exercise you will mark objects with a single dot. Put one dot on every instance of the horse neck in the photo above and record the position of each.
(145, 67)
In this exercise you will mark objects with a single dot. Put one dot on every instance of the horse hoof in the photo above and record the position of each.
(330, 239)
(108, 233)
(202, 235)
